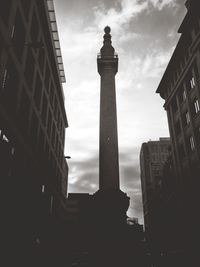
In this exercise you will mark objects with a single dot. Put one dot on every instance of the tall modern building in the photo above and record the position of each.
(153, 155)
(33, 169)
(111, 201)
(180, 88)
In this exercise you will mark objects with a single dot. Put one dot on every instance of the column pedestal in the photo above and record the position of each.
(109, 235)
(110, 207)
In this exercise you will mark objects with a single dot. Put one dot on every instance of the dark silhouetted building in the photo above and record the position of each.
(33, 169)
(79, 208)
(153, 155)
(162, 225)
(180, 88)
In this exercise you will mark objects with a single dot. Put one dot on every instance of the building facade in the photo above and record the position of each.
(180, 88)
(153, 155)
(33, 168)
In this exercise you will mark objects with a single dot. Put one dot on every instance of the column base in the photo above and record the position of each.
(109, 208)
(109, 235)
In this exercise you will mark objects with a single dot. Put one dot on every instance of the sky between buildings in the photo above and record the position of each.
(144, 34)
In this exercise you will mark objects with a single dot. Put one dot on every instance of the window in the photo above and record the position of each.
(19, 36)
(56, 109)
(24, 110)
(58, 121)
(4, 137)
(192, 83)
(43, 188)
(41, 58)
(154, 148)
(196, 71)
(196, 105)
(53, 135)
(56, 144)
(181, 151)
(184, 95)
(34, 129)
(9, 90)
(51, 94)
(197, 136)
(164, 157)
(196, 25)
(187, 117)
(12, 150)
(34, 29)
(154, 158)
(174, 105)
(29, 71)
(177, 128)
(192, 143)
(44, 109)
(5, 77)
(47, 78)
(49, 123)
(38, 91)
(12, 31)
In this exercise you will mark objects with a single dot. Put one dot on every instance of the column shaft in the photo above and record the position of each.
(108, 158)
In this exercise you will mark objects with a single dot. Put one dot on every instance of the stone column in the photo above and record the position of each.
(110, 203)
(107, 62)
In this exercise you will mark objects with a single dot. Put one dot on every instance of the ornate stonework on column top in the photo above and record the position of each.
(107, 50)
(107, 58)
(107, 29)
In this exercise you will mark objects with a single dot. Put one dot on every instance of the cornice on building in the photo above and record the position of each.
(183, 47)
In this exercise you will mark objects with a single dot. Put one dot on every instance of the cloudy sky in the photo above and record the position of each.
(144, 34)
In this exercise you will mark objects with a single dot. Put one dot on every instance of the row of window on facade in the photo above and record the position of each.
(9, 96)
(18, 30)
(10, 91)
(191, 144)
(159, 157)
(195, 108)
(159, 148)
(26, 46)
(186, 117)
(184, 90)
(189, 37)
(18, 36)
(11, 79)
(30, 24)
(8, 6)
